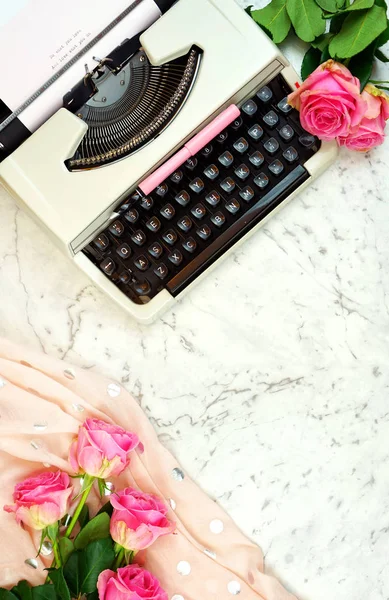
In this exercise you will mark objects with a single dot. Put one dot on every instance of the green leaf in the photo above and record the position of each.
(310, 62)
(361, 65)
(359, 29)
(383, 38)
(325, 55)
(22, 590)
(381, 56)
(44, 592)
(359, 5)
(83, 516)
(274, 18)
(60, 585)
(96, 557)
(52, 532)
(322, 41)
(7, 595)
(337, 22)
(66, 547)
(96, 529)
(72, 575)
(381, 3)
(330, 6)
(106, 508)
(248, 9)
(306, 17)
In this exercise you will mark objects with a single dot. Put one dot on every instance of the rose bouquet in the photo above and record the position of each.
(338, 99)
(99, 556)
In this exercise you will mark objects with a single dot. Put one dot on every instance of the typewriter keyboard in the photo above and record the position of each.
(165, 240)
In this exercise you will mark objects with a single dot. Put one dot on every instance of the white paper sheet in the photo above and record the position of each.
(38, 37)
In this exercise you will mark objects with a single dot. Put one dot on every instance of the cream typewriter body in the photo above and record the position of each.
(217, 156)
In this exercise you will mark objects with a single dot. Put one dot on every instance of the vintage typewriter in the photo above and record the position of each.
(178, 145)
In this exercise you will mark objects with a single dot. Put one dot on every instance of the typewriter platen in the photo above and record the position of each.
(177, 147)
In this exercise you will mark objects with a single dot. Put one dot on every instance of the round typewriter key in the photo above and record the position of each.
(154, 224)
(141, 263)
(189, 245)
(155, 250)
(204, 232)
(213, 198)
(226, 159)
(170, 237)
(199, 211)
(265, 94)
(124, 251)
(168, 211)
(183, 198)
(290, 154)
(162, 190)
(307, 140)
(228, 185)
(185, 224)
(176, 176)
(284, 106)
(271, 119)
(142, 288)
(233, 206)
(222, 137)
(197, 185)
(241, 145)
(176, 258)
(212, 172)
(261, 181)
(247, 193)
(256, 159)
(255, 132)
(161, 271)
(101, 242)
(242, 172)
(147, 203)
(191, 163)
(132, 216)
(237, 123)
(116, 228)
(138, 238)
(218, 219)
(207, 150)
(286, 132)
(271, 145)
(250, 108)
(125, 277)
(276, 167)
(108, 266)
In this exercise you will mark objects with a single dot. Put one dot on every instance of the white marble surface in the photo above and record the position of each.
(269, 381)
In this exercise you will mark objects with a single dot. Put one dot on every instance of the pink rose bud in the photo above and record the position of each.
(370, 132)
(138, 519)
(129, 583)
(101, 450)
(329, 101)
(42, 500)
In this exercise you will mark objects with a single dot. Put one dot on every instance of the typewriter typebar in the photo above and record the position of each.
(178, 146)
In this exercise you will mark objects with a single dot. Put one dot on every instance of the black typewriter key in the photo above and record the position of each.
(222, 137)
(185, 224)
(307, 140)
(272, 146)
(256, 159)
(197, 185)
(284, 106)
(276, 167)
(290, 154)
(207, 150)
(141, 263)
(101, 242)
(261, 181)
(168, 211)
(241, 145)
(237, 124)
(125, 277)
(135, 197)
(154, 224)
(250, 108)
(138, 238)
(213, 198)
(132, 215)
(271, 119)
(124, 251)
(147, 203)
(218, 219)
(233, 206)
(189, 245)
(176, 258)
(191, 163)
(170, 237)
(142, 288)
(228, 185)
(242, 172)
(226, 159)
(162, 190)
(161, 271)
(255, 132)
(199, 211)
(247, 193)
(265, 94)
(116, 228)
(183, 198)
(286, 132)
(108, 266)
(204, 232)
(155, 250)
(212, 172)
(177, 176)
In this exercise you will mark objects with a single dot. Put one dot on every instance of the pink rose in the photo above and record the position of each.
(41, 500)
(138, 519)
(101, 450)
(370, 132)
(129, 583)
(329, 101)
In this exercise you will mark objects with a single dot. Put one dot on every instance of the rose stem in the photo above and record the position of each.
(88, 483)
(119, 559)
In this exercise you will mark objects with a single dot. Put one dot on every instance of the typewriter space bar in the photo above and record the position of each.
(238, 229)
